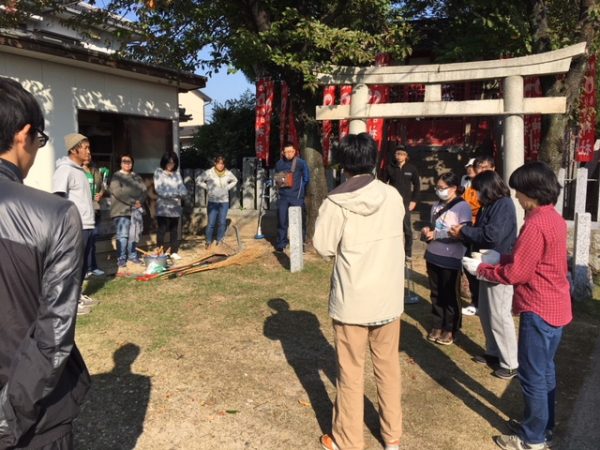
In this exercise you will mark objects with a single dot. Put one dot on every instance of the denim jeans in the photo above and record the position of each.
(538, 342)
(122, 224)
(217, 216)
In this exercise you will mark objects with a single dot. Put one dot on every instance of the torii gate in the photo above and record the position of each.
(513, 106)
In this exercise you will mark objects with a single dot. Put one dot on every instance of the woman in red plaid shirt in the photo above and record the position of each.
(538, 271)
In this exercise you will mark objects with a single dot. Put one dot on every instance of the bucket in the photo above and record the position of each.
(156, 264)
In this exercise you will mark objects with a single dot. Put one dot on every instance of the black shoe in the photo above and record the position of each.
(279, 249)
(505, 374)
(492, 361)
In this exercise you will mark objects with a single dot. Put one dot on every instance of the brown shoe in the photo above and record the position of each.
(446, 338)
(434, 334)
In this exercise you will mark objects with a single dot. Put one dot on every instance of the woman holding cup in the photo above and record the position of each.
(494, 234)
(443, 258)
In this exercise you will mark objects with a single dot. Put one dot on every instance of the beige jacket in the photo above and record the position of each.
(360, 224)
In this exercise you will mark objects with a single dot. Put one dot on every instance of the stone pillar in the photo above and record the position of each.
(560, 203)
(249, 183)
(295, 235)
(582, 277)
(235, 195)
(273, 193)
(581, 190)
(358, 107)
(514, 132)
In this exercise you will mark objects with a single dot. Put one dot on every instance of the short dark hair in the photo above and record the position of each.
(17, 109)
(219, 158)
(452, 180)
(538, 181)
(127, 155)
(288, 143)
(168, 157)
(491, 187)
(484, 159)
(357, 153)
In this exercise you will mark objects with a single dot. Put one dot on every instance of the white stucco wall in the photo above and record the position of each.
(61, 90)
(194, 105)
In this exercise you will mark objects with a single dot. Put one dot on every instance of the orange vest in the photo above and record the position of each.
(471, 198)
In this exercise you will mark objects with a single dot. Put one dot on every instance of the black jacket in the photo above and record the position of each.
(496, 227)
(405, 179)
(43, 378)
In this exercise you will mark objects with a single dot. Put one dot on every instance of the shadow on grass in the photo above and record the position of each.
(112, 416)
(438, 365)
(307, 351)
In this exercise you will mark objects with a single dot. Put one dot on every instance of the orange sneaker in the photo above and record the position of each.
(328, 443)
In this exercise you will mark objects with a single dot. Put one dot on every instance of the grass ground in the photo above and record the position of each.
(241, 358)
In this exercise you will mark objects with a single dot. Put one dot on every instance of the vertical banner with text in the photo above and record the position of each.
(345, 98)
(587, 115)
(533, 122)
(264, 109)
(328, 100)
(378, 94)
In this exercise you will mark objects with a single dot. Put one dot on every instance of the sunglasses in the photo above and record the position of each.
(42, 138)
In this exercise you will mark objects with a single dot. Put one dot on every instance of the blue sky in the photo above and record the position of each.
(222, 87)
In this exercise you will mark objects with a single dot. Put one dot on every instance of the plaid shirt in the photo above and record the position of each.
(537, 268)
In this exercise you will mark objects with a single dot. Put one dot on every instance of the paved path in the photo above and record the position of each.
(583, 431)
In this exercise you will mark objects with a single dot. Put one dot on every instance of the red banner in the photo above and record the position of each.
(328, 100)
(533, 122)
(285, 93)
(378, 94)
(345, 97)
(264, 109)
(587, 115)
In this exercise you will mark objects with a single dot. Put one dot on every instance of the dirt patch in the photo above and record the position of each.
(241, 358)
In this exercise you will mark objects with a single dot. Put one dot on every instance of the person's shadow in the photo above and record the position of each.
(112, 417)
(307, 351)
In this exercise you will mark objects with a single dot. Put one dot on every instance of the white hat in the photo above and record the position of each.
(470, 163)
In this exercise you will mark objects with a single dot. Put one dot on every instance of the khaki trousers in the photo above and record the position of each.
(351, 345)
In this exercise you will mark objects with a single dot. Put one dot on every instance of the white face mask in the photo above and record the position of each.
(443, 194)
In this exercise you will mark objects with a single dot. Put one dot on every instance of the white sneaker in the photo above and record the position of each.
(175, 257)
(82, 310)
(87, 275)
(469, 311)
(86, 300)
(98, 272)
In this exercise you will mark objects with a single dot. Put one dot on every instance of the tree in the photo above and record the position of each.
(230, 133)
(468, 30)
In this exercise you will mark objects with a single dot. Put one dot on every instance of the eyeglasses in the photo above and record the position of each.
(42, 138)
(126, 161)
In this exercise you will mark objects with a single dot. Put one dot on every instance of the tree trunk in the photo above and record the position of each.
(554, 127)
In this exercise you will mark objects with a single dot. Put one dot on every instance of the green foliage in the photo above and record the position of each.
(230, 133)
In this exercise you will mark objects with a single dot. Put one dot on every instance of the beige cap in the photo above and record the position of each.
(72, 139)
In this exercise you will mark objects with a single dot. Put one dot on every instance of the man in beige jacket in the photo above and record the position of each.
(359, 224)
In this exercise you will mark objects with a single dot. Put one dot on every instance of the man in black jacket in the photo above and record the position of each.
(405, 178)
(43, 378)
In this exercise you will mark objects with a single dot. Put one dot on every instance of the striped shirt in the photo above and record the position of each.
(537, 268)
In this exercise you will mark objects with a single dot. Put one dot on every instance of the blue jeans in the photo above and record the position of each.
(217, 215)
(538, 342)
(124, 247)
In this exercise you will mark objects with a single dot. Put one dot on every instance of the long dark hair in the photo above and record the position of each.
(491, 187)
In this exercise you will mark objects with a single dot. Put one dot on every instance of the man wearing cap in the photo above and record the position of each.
(70, 182)
(404, 177)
